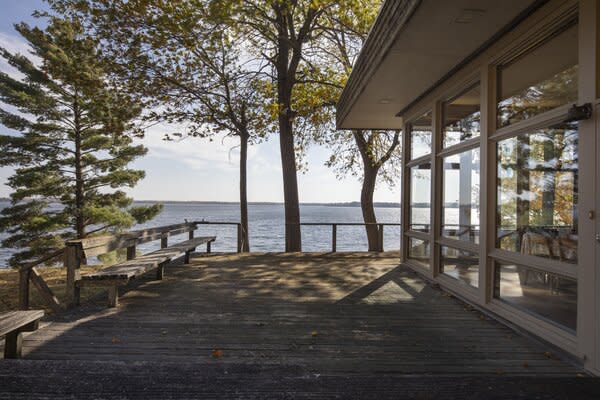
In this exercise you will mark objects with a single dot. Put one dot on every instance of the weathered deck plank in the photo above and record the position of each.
(344, 313)
(82, 380)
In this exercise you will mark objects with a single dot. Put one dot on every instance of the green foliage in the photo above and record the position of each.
(113, 257)
(254, 67)
(73, 143)
(353, 152)
(182, 60)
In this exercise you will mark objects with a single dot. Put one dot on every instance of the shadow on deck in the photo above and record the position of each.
(303, 316)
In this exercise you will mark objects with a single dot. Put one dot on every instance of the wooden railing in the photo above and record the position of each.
(76, 252)
(79, 250)
(334, 226)
(242, 235)
(29, 274)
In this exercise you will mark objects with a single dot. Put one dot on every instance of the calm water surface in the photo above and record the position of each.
(267, 226)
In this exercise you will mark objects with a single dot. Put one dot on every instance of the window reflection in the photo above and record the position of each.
(461, 265)
(420, 198)
(461, 196)
(548, 295)
(420, 136)
(543, 79)
(419, 251)
(462, 117)
(537, 193)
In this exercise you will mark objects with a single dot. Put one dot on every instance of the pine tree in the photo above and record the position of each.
(70, 142)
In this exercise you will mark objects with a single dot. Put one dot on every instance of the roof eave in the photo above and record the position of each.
(392, 18)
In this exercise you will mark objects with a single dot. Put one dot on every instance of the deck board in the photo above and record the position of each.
(344, 313)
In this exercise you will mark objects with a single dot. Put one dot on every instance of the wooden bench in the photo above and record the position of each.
(120, 274)
(13, 324)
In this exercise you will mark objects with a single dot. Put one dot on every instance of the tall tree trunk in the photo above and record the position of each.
(366, 204)
(293, 241)
(244, 192)
(79, 195)
(285, 82)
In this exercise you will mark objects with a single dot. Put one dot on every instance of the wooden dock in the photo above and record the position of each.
(300, 315)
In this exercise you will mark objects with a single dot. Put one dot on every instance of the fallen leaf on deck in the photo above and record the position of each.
(548, 355)
(525, 365)
(217, 353)
(314, 333)
(116, 340)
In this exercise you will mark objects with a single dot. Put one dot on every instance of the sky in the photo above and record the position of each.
(199, 170)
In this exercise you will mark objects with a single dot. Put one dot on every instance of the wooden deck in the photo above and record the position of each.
(343, 314)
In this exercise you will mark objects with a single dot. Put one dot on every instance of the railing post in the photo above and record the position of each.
(239, 238)
(73, 264)
(131, 252)
(333, 238)
(380, 237)
(24, 288)
(164, 240)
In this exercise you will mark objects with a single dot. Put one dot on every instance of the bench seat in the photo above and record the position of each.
(12, 324)
(120, 274)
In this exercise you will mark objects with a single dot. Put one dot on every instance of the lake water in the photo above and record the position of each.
(266, 226)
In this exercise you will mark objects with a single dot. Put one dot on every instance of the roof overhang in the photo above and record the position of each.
(415, 45)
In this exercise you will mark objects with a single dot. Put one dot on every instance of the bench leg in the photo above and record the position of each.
(160, 272)
(187, 257)
(208, 247)
(113, 296)
(13, 344)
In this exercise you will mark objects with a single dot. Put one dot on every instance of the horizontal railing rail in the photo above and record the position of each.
(242, 236)
(334, 226)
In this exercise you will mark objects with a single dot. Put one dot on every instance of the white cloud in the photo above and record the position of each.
(16, 45)
(13, 43)
(221, 153)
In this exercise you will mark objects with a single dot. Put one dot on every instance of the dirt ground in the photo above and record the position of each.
(55, 277)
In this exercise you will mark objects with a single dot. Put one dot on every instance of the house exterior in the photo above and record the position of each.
(499, 107)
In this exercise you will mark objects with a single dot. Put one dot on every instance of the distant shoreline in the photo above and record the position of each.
(268, 203)
(380, 204)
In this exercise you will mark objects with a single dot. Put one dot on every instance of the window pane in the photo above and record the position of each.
(420, 136)
(541, 80)
(420, 198)
(537, 193)
(460, 264)
(462, 117)
(551, 296)
(419, 251)
(461, 196)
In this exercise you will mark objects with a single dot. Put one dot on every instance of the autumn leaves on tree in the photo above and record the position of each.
(249, 69)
